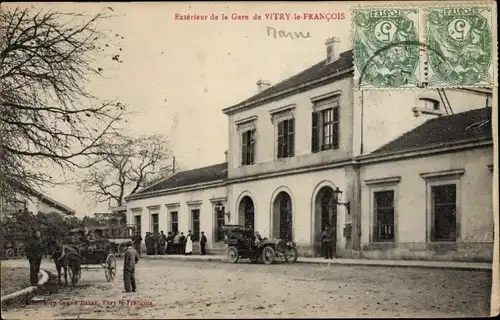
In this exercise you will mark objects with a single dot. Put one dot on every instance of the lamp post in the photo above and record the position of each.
(337, 195)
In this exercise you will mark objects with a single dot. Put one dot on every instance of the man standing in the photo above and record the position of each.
(182, 243)
(137, 243)
(147, 240)
(34, 253)
(326, 241)
(156, 241)
(131, 258)
(170, 243)
(163, 242)
(177, 246)
(203, 242)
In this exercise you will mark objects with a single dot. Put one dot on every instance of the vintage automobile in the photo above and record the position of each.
(242, 244)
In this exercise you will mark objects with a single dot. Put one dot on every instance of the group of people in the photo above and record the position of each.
(171, 243)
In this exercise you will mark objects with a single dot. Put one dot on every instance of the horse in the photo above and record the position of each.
(65, 257)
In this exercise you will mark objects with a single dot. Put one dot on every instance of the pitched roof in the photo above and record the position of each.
(190, 177)
(317, 71)
(469, 125)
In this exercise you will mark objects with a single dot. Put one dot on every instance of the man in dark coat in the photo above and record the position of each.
(163, 242)
(149, 244)
(203, 242)
(34, 253)
(137, 243)
(170, 242)
(326, 241)
(182, 243)
(131, 258)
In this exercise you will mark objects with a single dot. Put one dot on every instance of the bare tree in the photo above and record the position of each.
(127, 164)
(47, 115)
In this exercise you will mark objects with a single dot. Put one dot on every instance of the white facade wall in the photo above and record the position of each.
(183, 203)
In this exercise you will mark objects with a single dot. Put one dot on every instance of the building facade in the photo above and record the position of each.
(293, 144)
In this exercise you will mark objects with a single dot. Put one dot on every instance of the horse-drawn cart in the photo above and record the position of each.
(96, 254)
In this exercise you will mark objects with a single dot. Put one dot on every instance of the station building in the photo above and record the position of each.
(399, 174)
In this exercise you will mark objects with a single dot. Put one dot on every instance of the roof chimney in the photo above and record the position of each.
(263, 85)
(225, 155)
(332, 49)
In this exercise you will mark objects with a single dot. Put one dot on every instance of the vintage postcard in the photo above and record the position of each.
(249, 159)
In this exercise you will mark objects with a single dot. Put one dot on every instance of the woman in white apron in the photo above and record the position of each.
(189, 243)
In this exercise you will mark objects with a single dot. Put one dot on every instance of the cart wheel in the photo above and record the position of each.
(9, 254)
(110, 268)
(21, 250)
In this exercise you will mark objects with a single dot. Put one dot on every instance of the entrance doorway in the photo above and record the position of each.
(283, 217)
(325, 214)
(247, 212)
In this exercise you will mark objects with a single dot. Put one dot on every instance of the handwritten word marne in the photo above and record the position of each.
(285, 34)
(267, 16)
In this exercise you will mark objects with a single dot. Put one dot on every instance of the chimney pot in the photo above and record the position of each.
(225, 155)
(263, 85)
(332, 49)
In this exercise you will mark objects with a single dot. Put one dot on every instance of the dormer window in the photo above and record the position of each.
(427, 106)
(431, 104)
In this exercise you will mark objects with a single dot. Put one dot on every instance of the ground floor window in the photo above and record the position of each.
(384, 215)
(174, 221)
(444, 207)
(155, 223)
(219, 223)
(138, 225)
(195, 216)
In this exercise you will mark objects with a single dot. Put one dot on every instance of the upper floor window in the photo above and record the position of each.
(325, 127)
(248, 147)
(286, 138)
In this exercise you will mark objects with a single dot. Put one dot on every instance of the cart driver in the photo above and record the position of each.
(87, 237)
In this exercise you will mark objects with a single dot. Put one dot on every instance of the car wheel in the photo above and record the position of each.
(268, 255)
(291, 255)
(232, 255)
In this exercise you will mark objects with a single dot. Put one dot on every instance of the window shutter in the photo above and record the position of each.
(315, 132)
(336, 127)
(291, 137)
(244, 148)
(280, 139)
(252, 147)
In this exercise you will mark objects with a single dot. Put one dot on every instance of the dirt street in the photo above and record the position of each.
(184, 289)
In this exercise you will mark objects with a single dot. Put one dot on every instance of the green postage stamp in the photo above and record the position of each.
(435, 47)
(386, 47)
(460, 50)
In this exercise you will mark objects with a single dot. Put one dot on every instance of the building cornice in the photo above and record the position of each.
(172, 205)
(425, 151)
(194, 203)
(454, 173)
(387, 180)
(316, 167)
(328, 95)
(246, 120)
(252, 103)
(194, 187)
(154, 207)
(219, 199)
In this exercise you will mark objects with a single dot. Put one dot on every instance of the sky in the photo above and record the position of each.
(178, 75)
